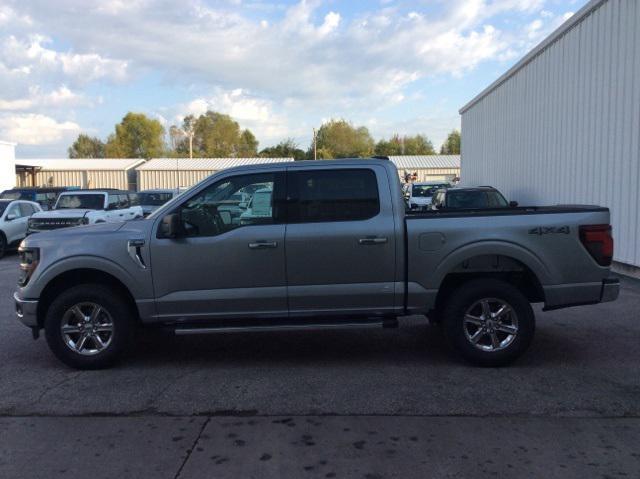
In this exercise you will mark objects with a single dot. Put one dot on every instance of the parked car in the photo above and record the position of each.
(470, 198)
(76, 208)
(151, 200)
(14, 215)
(45, 197)
(419, 195)
(335, 247)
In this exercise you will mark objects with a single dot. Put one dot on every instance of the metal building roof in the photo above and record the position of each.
(83, 164)
(546, 43)
(205, 164)
(421, 162)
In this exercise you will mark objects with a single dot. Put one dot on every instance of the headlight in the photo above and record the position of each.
(29, 259)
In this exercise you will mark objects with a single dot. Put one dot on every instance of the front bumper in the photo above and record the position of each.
(26, 311)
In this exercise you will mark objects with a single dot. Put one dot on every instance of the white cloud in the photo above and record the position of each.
(36, 129)
(61, 97)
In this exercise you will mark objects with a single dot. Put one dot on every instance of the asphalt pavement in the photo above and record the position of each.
(370, 404)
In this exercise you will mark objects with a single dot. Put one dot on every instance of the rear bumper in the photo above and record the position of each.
(578, 294)
(26, 311)
(610, 290)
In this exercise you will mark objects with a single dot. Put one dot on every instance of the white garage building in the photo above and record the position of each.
(563, 125)
(428, 167)
(185, 172)
(7, 165)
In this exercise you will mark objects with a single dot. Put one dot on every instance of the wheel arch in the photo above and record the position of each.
(503, 266)
(78, 276)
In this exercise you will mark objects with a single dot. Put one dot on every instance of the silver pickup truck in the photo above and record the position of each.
(327, 244)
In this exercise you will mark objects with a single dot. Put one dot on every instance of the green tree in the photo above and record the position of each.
(86, 146)
(406, 145)
(285, 149)
(136, 136)
(215, 135)
(340, 139)
(451, 145)
(248, 145)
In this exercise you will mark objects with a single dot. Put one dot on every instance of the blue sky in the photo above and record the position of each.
(278, 67)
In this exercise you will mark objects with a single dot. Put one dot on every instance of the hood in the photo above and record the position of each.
(66, 213)
(76, 232)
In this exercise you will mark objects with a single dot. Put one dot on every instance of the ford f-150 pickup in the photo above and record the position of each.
(327, 244)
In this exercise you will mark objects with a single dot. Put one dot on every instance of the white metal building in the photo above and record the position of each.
(185, 172)
(563, 125)
(428, 167)
(7, 165)
(84, 173)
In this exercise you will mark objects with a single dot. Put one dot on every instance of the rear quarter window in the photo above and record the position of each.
(332, 195)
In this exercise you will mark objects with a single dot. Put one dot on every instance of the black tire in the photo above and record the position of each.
(115, 309)
(461, 332)
(3, 245)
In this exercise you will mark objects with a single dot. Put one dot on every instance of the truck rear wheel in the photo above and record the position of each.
(489, 322)
(89, 326)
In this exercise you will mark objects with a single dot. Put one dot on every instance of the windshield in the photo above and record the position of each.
(474, 199)
(85, 202)
(154, 199)
(16, 195)
(426, 191)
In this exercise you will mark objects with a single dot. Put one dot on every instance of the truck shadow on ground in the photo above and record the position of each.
(413, 343)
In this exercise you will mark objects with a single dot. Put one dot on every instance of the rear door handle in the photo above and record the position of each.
(372, 240)
(263, 244)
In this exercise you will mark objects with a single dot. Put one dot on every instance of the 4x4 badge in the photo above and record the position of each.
(546, 230)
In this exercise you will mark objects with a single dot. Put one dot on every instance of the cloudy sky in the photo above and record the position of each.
(278, 67)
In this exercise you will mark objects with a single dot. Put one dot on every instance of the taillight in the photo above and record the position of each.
(598, 241)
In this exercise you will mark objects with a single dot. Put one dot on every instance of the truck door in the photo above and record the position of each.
(230, 260)
(340, 240)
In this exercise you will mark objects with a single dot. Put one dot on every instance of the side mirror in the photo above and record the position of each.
(170, 227)
(11, 217)
(513, 204)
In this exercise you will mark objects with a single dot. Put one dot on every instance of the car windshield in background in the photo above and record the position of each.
(16, 195)
(154, 199)
(426, 191)
(474, 199)
(84, 202)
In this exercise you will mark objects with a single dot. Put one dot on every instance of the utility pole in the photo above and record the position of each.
(315, 145)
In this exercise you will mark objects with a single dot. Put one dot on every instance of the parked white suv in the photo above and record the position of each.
(75, 208)
(420, 195)
(14, 215)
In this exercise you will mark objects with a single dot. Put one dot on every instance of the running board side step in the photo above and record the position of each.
(378, 323)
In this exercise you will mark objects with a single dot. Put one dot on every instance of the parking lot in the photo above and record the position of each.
(375, 403)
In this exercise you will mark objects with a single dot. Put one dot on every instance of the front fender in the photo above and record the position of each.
(36, 285)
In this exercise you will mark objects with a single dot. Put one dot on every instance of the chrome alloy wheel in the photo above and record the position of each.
(490, 324)
(87, 328)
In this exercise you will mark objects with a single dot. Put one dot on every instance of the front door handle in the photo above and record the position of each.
(263, 244)
(372, 240)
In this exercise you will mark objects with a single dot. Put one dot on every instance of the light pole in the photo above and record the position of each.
(315, 145)
(189, 133)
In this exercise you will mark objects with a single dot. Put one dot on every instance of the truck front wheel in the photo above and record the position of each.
(489, 322)
(89, 326)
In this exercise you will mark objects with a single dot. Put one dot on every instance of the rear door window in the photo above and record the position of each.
(332, 195)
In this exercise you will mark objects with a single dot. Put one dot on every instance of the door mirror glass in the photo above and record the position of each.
(170, 227)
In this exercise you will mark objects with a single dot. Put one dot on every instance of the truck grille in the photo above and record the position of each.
(45, 224)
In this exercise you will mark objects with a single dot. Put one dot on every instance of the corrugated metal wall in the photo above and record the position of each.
(431, 174)
(83, 179)
(565, 128)
(151, 179)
